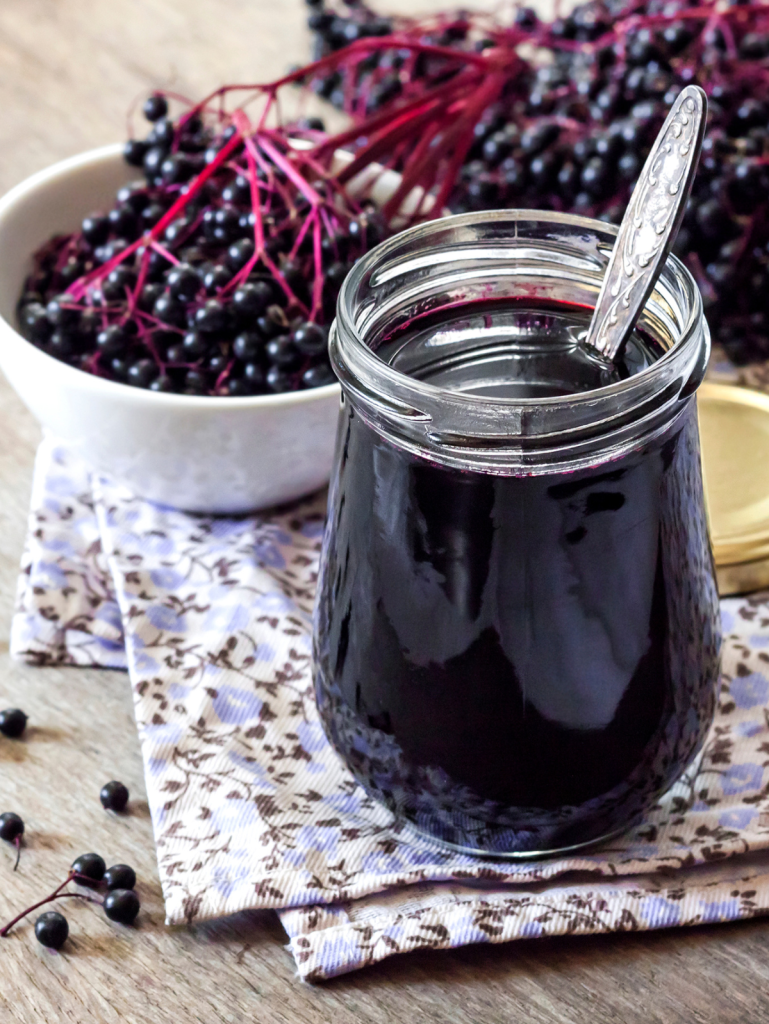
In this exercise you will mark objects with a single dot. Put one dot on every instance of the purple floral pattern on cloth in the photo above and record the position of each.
(252, 808)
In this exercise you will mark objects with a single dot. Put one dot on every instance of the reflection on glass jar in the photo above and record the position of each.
(517, 630)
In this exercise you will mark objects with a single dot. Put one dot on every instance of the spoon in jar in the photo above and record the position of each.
(650, 225)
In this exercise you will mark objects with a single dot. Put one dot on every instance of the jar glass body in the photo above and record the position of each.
(517, 631)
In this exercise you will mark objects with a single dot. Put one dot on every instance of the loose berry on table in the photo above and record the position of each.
(13, 722)
(114, 797)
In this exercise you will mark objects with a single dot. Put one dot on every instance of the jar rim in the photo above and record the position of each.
(405, 401)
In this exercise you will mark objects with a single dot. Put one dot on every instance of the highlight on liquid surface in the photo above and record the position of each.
(515, 664)
(520, 348)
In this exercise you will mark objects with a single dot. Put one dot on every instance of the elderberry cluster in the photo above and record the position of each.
(120, 902)
(191, 307)
(571, 131)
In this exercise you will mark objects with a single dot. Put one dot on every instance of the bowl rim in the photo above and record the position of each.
(65, 168)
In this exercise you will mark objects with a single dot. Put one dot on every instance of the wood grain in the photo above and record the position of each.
(69, 70)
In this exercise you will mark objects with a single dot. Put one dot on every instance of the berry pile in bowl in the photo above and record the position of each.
(203, 277)
(192, 275)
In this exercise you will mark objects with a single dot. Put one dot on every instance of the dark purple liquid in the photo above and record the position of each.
(516, 664)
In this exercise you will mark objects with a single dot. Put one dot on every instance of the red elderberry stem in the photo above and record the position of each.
(71, 877)
(78, 289)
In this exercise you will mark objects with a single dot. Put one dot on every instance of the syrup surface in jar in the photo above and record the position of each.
(516, 664)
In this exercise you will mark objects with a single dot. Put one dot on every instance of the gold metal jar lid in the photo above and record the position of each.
(734, 430)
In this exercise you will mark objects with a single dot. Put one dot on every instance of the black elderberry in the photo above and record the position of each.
(153, 161)
(721, 274)
(114, 795)
(238, 387)
(643, 47)
(252, 298)
(141, 373)
(366, 231)
(11, 826)
(498, 146)
(195, 382)
(221, 225)
(122, 906)
(155, 107)
(133, 195)
(176, 168)
(294, 275)
(134, 152)
(248, 345)
(483, 192)
(240, 252)
(34, 322)
(112, 341)
(318, 376)
(11, 830)
(184, 282)
(254, 375)
(211, 317)
(120, 876)
(216, 363)
(61, 313)
(95, 229)
(163, 133)
(117, 283)
(149, 295)
(277, 380)
(543, 170)
(151, 214)
(629, 166)
(594, 176)
(177, 230)
(169, 310)
(51, 929)
(71, 271)
(336, 274)
(90, 868)
(310, 339)
(176, 354)
(677, 37)
(712, 218)
(539, 137)
(246, 223)
(119, 367)
(216, 278)
(238, 191)
(515, 175)
(61, 344)
(282, 352)
(122, 221)
(568, 178)
(194, 346)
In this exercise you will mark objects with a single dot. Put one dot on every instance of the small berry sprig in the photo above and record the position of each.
(121, 903)
(13, 722)
(11, 830)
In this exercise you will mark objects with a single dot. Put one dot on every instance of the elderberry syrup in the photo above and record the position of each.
(517, 639)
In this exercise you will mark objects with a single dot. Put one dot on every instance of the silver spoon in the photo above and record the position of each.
(650, 225)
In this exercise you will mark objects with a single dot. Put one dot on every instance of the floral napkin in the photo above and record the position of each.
(252, 808)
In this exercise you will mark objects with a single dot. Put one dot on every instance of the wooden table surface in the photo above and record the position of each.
(69, 70)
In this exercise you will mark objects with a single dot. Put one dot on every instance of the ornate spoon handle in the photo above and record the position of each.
(650, 225)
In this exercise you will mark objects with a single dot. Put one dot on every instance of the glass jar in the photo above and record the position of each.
(517, 627)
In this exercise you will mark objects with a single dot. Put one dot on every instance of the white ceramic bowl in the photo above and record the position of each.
(199, 453)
